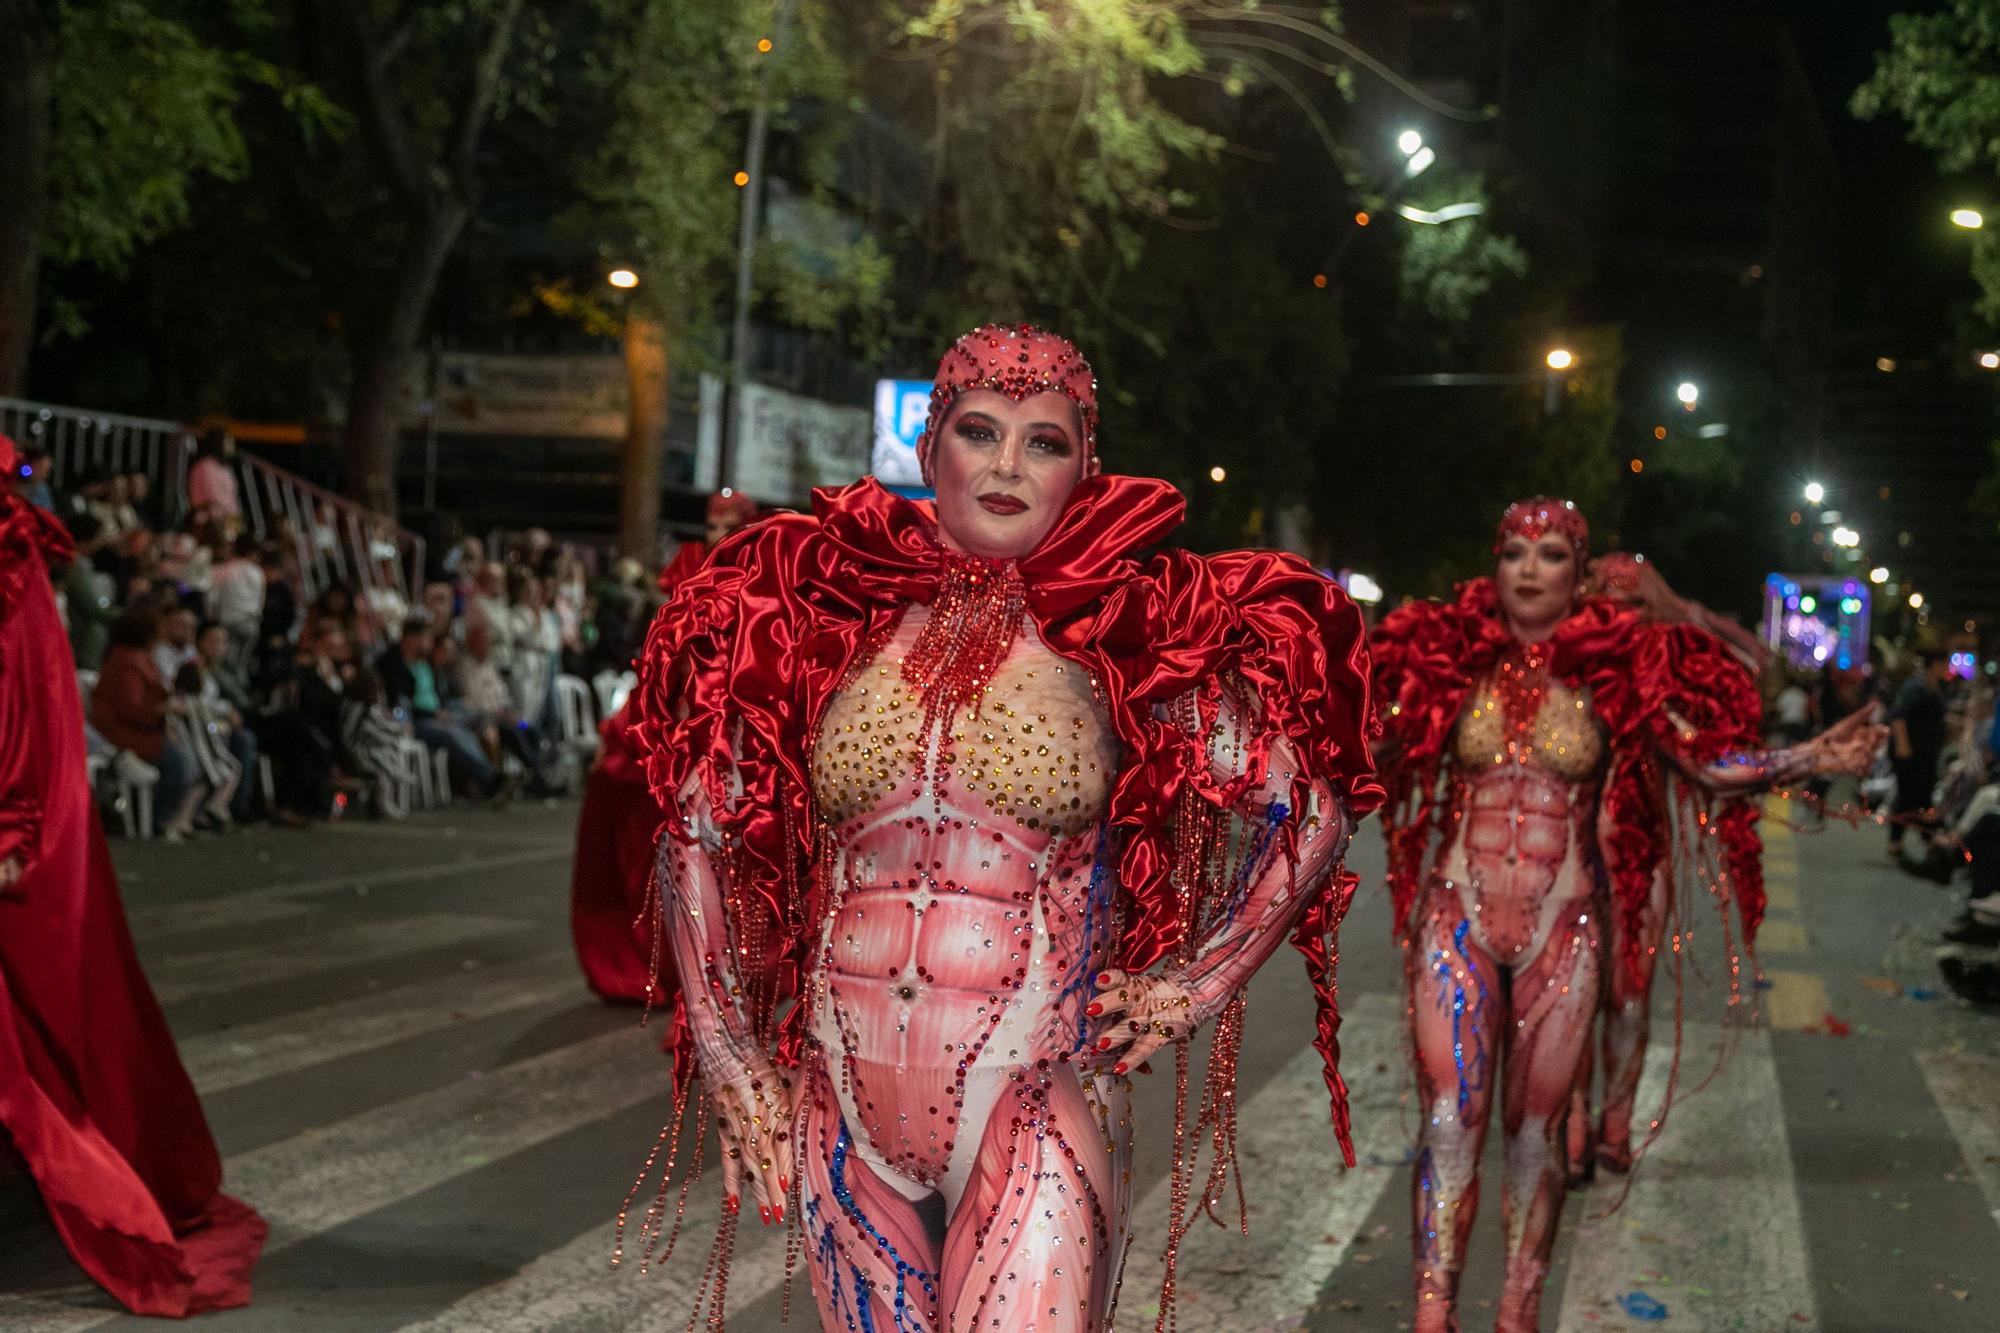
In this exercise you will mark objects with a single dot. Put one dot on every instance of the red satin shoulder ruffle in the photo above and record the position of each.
(744, 658)
(1427, 657)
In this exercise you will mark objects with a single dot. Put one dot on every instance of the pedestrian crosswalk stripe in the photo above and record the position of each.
(1305, 1206)
(325, 1177)
(1796, 1000)
(186, 976)
(246, 905)
(573, 1288)
(301, 1039)
(1712, 1228)
(1966, 1088)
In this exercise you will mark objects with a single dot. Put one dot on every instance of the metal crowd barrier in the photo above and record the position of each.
(334, 539)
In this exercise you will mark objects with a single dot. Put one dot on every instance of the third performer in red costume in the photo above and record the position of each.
(1528, 734)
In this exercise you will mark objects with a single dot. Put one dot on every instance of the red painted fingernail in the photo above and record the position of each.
(1118, 1068)
(735, 1204)
(764, 1213)
(1104, 978)
(1095, 1009)
(784, 1185)
(1104, 1043)
(779, 1216)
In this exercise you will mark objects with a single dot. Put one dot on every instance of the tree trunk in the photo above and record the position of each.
(27, 82)
(645, 439)
(382, 344)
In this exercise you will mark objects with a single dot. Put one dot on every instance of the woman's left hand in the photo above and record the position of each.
(1138, 1015)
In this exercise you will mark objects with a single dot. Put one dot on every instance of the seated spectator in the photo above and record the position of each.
(386, 606)
(441, 609)
(489, 607)
(537, 649)
(335, 605)
(225, 694)
(409, 683)
(89, 604)
(236, 596)
(198, 731)
(175, 648)
(301, 731)
(489, 709)
(280, 618)
(129, 708)
(372, 736)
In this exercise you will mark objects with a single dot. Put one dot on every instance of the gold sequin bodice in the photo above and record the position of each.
(1564, 740)
(1037, 750)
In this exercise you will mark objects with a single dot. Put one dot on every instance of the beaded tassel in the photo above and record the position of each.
(974, 619)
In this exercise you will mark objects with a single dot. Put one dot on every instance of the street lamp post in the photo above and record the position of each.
(644, 340)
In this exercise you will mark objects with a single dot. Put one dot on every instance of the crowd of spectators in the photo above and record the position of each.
(212, 681)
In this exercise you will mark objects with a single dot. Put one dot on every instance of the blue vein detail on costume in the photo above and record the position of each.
(1449, 980)
(1096, 922)
(837, 1174)
(1427, 1187)
(827, 1256)
(1253, 864)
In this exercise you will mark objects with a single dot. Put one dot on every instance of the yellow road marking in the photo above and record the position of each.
(1781, 937)
(1796, 1001)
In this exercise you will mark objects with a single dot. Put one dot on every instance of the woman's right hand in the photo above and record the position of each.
(756, 1117)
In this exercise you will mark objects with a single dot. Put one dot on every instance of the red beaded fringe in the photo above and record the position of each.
(973, 621)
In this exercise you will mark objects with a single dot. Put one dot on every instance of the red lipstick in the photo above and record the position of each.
(994, 502)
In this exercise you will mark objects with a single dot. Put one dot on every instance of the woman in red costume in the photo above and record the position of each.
(92, 1093)
(611, 874)
(1527, 735)
(1003, 809)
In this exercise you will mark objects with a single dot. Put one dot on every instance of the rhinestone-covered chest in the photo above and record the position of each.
(1036, 748)
(1563, 737)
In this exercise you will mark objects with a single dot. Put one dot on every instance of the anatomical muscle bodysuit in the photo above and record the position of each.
(1527, 736)
(962, 832)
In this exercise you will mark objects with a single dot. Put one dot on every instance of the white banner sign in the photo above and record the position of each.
(786, 444)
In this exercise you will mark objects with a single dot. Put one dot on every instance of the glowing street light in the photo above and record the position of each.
(1879, 574)
(1689, 393)
(1409, 142)
(1969, 218)
(1449, 213)
(1916, 601)
(1560, 358)
(622, 278)
(1363, 588)
(1989, 360)
(1218, 473)
(1420, 162)
(1815, 493)
(1846, 538)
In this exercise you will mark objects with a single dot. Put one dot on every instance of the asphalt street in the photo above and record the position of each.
(407, 1076)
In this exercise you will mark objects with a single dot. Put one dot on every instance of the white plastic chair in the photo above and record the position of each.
(576, 728)
(612, 689)
(418, 773)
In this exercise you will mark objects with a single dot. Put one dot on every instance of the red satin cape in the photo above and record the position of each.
(612, 869)
(92, 1092)
(1427, 657)
(744, 659)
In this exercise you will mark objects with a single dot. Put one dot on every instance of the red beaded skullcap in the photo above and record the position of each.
(1540, 515)
(1020, 361)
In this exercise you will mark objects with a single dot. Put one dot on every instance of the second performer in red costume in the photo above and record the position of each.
(1528, 734)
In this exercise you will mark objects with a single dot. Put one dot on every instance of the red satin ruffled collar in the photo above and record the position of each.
(1092, 546)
